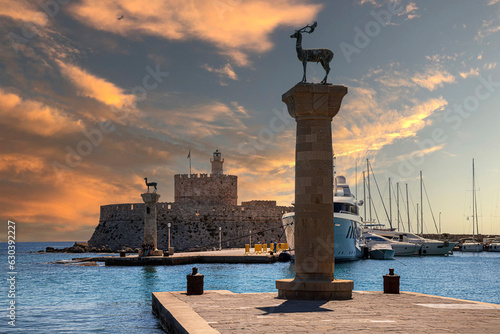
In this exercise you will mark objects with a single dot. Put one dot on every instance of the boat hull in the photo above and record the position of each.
(405, 249)
(347, 237)
(382, 254)
(474, 247)
(494, 247)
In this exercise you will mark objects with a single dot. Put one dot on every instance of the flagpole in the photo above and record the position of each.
(189, 157)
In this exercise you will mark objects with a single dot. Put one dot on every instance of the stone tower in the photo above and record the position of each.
(203, 189)
(217, 162)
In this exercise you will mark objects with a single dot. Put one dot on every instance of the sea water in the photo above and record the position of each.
(57, 298)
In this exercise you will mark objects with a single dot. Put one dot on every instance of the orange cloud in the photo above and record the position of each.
(65, 206)
(35, 117)
(374, 125)
(97, 88)
(235, 28)
(433, 78)
(23, 10)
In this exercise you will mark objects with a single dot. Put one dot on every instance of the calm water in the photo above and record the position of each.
(68, 299)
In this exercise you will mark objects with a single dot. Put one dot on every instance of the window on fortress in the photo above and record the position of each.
(169, 207)
(148, 211)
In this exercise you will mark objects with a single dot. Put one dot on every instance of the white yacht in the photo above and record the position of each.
(400, 248)
(381, 251)
(428, 246)
(346, 220)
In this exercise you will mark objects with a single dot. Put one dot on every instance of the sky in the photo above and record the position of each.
(90, 105)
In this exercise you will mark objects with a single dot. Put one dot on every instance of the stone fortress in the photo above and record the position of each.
(202, 204)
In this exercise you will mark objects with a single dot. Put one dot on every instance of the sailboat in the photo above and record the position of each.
(473, 245)
(424, 246)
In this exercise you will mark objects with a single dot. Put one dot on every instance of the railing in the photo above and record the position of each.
(348, 212)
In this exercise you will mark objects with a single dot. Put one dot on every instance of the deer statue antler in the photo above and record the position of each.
(311, 28)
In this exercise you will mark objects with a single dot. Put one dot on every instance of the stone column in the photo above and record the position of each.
(150, 224)
(313, 106)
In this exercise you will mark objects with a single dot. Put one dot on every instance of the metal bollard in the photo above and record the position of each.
(195, 283)
(391, 282)
(123, 254)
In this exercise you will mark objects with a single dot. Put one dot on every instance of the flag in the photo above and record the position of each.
(189, 154)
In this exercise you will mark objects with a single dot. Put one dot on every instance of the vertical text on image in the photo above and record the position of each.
(11, 272)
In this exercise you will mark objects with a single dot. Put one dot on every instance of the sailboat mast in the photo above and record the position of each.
(408, 207)
(356, 172)
(418, 223)
(364, 194)
(421, 206)
(477, 216)
(397, 200)
(390, 203)
(369, 191)
(474, 213)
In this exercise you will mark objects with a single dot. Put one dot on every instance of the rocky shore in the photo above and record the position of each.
(83, 247)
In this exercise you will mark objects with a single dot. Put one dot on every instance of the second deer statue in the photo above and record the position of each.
(323, 56)
(150, 184)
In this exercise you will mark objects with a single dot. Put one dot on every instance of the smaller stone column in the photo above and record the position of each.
(150, 225)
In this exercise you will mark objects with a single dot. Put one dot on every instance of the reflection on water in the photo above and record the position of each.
(60, 298)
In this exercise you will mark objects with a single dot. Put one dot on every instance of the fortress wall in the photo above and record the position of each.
(121, 225)
(204, 189)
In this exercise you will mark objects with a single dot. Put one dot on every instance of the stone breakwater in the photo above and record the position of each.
(193, 227)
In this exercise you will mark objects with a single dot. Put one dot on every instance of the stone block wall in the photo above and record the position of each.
(204, 189)
(121, 225)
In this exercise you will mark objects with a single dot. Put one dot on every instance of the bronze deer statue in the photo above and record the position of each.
(151, 184)
(323, 56)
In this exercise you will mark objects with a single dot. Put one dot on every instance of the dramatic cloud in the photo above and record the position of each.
(235, 28)
(362, 133)
(23, 10)
(34, 117)
(97, 88)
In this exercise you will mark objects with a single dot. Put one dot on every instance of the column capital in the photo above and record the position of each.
(150, 197)
(314, 100)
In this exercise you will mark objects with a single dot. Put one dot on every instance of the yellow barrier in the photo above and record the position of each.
(247, 249)
(264, 248)
(258, 248)
(279, 247)
(271, 248)
(286, 246)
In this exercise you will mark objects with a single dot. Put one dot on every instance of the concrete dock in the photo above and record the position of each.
(236, 255)
(369, 312)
